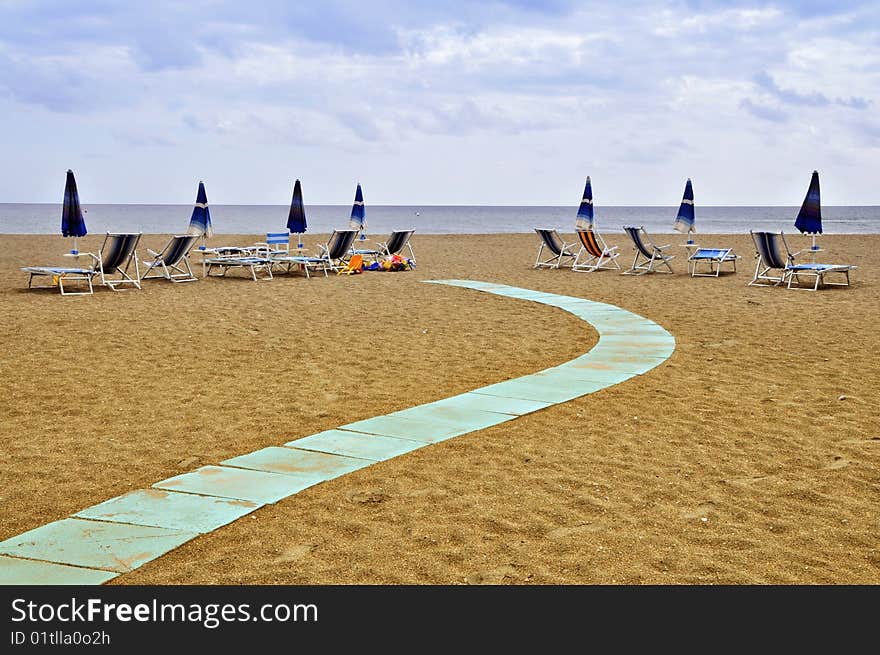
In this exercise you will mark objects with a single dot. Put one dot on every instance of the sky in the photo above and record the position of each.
(460, 102)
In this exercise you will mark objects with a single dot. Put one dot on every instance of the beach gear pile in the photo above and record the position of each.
(392, 263)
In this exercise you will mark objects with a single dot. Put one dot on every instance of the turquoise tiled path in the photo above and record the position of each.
(123, 533)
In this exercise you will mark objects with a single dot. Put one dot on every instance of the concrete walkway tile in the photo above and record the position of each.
(581, 308)
(15, 571)
(636, 340)
(469, 284)
(422, 426)
(584, 306)
(608, 357)
(401, 428)
(528, 389)
(450, 412)
(356, 444)
(167, 509)
(94, 544)
(524, 294)
(514, 406)
(241, 484)
(655, 352)
(572, 377)
(304, 464)
(601, 369)
(618, 326)
(600, 366)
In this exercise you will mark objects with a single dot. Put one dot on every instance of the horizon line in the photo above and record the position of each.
(379, 204)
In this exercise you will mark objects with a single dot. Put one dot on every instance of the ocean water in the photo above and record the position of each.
(430, 219)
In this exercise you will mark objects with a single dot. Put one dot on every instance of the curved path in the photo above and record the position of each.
(123, 533)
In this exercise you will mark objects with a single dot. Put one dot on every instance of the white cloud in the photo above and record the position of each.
(512, 46)
(676, 23)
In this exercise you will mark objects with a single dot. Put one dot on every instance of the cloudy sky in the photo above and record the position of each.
(507, 102)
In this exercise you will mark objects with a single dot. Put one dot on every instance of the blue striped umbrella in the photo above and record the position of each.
(585, 210)
(296, 218)
(72, 222)
(684, 221)
(358, 213)
(809, 218)
(200, 222)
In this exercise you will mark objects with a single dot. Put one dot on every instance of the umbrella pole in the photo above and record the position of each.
(299, 241)
(813, 248)
(75, 250)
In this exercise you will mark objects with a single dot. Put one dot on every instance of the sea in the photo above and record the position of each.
(22, 218)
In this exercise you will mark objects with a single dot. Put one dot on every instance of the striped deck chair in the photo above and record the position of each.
(398, 240)
(113, 259)
(332, 256)
(598, 254)
(559, 250)
(172, 262)
(652, 254)
(714, 258)
(773, 254)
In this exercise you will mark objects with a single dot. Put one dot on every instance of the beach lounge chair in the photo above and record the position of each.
(646, 249)
(773, 254)
(714, 258)
(598, 255)
(172, 262)
(253, 263)
(331, 256)
(398, 240)
(113, 259)
(560, 251)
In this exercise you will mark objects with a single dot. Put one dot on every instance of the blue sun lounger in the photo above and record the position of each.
(113, 258)
(773, 254)
(714, 258)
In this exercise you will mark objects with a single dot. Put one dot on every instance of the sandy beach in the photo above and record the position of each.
(751, 456)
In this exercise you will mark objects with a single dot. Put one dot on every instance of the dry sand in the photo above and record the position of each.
(750, 456)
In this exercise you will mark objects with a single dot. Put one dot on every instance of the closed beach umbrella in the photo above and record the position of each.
(584, 218)
(72, 222)
(358, 213)
(200, 222)
(296, 218)
(809, 218)
(684, 221)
